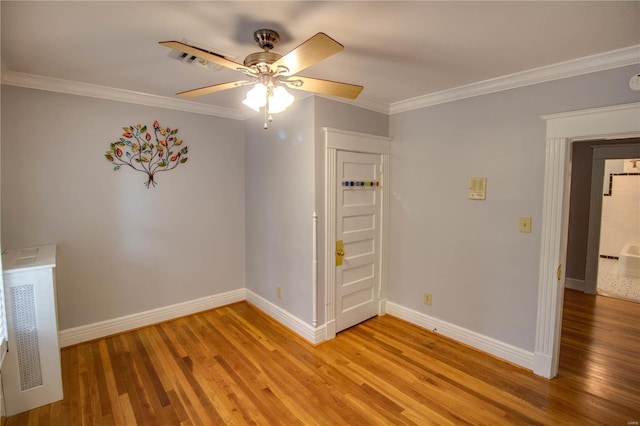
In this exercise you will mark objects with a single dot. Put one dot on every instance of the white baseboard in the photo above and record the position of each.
(543, 365)
(72, 336)
(476, 340)
(295, 324)
(574, 283)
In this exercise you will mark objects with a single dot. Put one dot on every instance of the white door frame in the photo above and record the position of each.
(613, 122)
(341, 140)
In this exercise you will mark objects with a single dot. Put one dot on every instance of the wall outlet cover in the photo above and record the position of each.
(427, 298)
(525, 224)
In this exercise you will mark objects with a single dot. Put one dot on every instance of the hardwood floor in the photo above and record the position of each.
(234, 365)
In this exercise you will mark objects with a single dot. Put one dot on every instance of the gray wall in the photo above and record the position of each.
(482, 272)
(581, 158)
(284, 186)
(339, 115)
(279, 198)
(122, 248)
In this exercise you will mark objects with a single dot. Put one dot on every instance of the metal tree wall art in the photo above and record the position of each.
(147, 152)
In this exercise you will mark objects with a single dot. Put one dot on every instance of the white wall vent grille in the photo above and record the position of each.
(26, 332)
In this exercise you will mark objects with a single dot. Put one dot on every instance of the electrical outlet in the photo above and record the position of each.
(427, 298)
(279, 292)
(525, 224)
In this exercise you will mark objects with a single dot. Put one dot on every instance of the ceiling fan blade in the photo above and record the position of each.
(328, 87)
(210, 89)
(317, 48)
(203, 54)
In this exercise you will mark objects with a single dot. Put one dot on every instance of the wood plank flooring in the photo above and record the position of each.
(234, 365)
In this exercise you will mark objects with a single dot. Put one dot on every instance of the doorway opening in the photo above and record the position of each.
(613, 122)
(619, 262)
(604, 218)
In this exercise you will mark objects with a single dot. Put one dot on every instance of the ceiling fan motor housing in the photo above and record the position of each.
(261, 57)
(266, 38)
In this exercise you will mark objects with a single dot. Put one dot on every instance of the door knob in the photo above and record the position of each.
(340, 253)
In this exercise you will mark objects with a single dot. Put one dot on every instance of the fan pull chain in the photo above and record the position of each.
(266, 108)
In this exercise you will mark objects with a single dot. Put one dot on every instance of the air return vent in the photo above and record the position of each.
(195, 61)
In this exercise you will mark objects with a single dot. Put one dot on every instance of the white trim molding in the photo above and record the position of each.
(314, 270)
(85, 333)
(599, 62)
(608, 122)
(476, 340)
(314, 335)
(594, 63)
(361, 102)
(345, 140)
(330, 191)
(31, 81)
(612, 122)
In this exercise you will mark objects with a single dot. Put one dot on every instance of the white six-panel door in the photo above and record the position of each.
(358, 212)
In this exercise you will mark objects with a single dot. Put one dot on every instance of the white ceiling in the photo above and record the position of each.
(396, 50)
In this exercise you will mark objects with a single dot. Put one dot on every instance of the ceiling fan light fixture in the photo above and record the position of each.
(280, 100)
(276, 99)
(256, 97)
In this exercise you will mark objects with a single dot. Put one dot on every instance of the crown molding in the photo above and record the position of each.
(32, 81)
(369, 104)
(600, 62)
(588, 64)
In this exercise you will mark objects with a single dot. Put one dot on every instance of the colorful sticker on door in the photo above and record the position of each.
(361, 184)
(148, 151)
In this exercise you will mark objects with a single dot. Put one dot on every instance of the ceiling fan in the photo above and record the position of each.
(270, 72)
